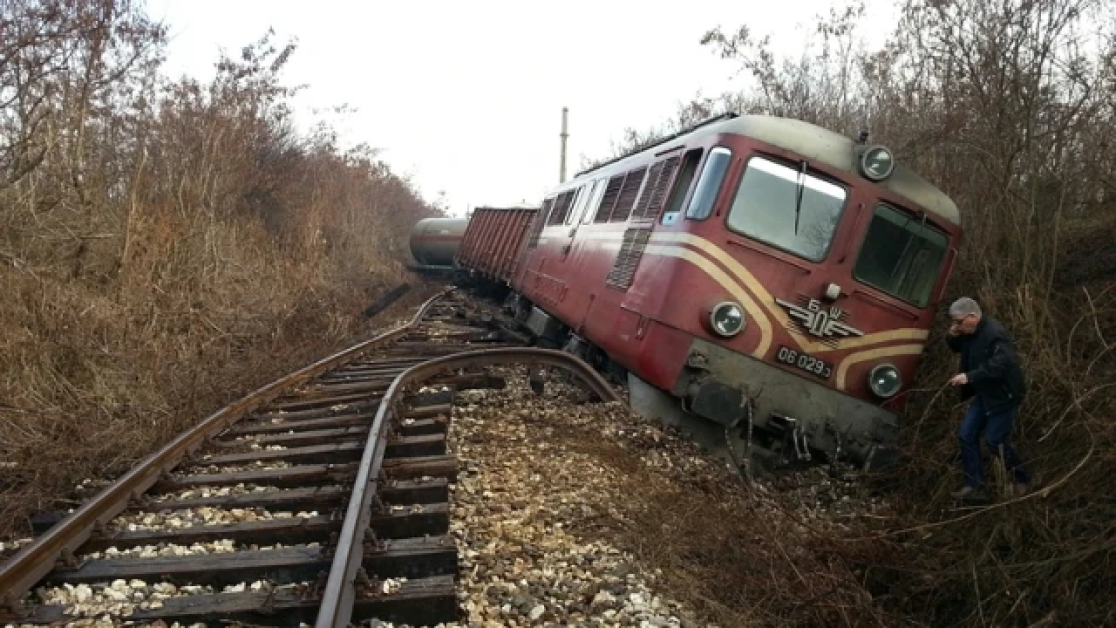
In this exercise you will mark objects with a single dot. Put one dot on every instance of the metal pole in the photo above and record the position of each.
(565, 135)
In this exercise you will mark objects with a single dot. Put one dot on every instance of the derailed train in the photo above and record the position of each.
(769, 275)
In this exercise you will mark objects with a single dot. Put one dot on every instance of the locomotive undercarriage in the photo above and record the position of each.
(736, 406)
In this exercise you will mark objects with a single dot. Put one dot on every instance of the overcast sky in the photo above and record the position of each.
(466, 96)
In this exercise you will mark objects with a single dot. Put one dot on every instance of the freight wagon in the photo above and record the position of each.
(492, 244)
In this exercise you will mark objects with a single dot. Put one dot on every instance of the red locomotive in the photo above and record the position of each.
(768, 273)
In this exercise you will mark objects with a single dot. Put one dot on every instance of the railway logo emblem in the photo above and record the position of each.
(821, 321)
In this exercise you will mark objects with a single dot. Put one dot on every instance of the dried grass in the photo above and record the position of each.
(167, 246)
(96, 379)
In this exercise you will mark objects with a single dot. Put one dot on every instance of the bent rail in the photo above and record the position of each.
(339, 595)
(20, 572)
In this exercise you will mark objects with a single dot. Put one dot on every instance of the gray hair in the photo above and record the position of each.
(964, 307)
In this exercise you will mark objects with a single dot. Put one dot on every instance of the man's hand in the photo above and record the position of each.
(959, 380)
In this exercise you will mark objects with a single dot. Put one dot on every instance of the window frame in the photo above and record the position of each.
(593, 203)
(581, 196)
(925, 220)
(841, 215)
(666, 216)
(718, 149)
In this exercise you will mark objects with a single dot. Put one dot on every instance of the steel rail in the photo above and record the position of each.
(34, 561)
(339, 596)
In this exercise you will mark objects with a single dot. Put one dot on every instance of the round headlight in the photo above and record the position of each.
(877, 163)
(727, 319)
(884, 380)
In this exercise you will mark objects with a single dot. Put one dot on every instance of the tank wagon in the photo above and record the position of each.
(771, 276)
(434, 242)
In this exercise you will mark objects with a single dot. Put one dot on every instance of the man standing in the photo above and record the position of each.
(991, 376)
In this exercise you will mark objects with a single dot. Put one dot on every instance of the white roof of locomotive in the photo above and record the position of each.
(816, 144)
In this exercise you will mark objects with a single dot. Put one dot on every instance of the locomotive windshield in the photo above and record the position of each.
(901, 255)
(788, 209)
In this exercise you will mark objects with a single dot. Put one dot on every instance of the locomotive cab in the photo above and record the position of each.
(832, 275)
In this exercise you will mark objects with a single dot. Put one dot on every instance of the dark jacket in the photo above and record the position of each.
(989, 360)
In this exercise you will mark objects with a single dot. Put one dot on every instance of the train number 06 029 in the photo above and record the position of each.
(804, 362)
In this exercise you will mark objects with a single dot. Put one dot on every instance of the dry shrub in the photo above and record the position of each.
(167, 247)
(1044, 557)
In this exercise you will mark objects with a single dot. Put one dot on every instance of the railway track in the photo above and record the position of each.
(322, 498)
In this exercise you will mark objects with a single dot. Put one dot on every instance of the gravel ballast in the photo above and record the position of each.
(572, 513)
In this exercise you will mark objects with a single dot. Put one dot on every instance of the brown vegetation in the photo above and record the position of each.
(167, 246)
(1009, 107)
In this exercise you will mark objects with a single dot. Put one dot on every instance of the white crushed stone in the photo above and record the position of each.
(221, 546)
(255, 465)
(14, 545)
(204, 492)
(513, 500)
(203, 516)
(108, 604)
(255, 446)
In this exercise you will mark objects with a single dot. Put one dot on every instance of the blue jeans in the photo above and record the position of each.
(996, 428)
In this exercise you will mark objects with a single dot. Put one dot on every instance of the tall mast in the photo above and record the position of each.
(564, 136)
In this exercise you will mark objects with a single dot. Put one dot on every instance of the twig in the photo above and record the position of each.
(1076, 404)
(1044, 492)
(926, 411)
(976, 588)
(1096, 317)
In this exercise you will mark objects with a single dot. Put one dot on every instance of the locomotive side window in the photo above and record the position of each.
(561, 208)
(594, 201)
(612, 192)
(566, 204)
(787, 209)
(682, 186)
(540, 222)
(583, 193)
(901, 255)
(633, 183)
(709, 183)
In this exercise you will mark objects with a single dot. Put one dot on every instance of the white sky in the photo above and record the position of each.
(466, 97)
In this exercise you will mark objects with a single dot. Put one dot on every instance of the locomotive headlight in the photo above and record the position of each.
(727, 319)
(884, 380)
(877, 163)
